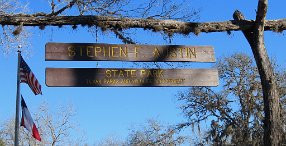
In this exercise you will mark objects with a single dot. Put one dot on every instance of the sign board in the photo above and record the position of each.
(127, 52)
(127, 77)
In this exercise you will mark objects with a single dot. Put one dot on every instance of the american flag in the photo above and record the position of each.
(27, 76)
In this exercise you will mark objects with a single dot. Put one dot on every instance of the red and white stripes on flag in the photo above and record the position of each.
(27, 121)
(27, 76)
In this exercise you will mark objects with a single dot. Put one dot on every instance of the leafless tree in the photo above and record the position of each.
(54, 127)
(7, 134)
(154, 134)
(236, 111)
(110, 141)
(9, 38)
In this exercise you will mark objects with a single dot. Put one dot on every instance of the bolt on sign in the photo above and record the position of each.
(128, 52)
(103, 77)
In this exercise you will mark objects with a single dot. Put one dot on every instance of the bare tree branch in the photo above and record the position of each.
(124, 39)
(62, 9)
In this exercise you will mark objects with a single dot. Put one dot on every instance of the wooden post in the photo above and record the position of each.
(255, 37)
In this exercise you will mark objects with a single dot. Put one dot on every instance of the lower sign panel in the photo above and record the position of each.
(129, 77)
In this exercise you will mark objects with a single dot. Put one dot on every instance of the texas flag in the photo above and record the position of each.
(28, 122)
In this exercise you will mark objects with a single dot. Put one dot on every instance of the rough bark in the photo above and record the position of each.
(168, 26)
(272, 133)
(255, 37)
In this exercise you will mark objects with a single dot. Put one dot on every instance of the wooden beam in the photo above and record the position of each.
(167, 26)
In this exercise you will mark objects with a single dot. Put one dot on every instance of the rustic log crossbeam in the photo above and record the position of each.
(168, 26)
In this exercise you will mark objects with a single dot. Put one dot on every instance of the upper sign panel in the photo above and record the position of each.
(128, 52)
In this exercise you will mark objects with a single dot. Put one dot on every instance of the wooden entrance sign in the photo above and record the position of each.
(129, 77)
(127, 52)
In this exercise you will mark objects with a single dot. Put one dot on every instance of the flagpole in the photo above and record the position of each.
(17, 119)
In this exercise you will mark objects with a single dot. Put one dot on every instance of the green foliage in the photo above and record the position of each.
(2, 143)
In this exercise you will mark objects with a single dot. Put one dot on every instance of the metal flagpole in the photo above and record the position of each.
(17, 119)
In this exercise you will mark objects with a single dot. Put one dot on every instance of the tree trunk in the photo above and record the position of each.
(255, 37)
